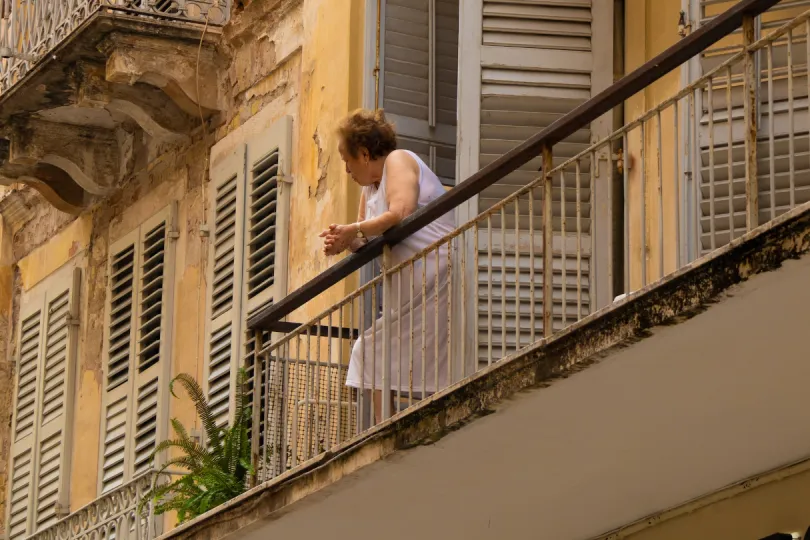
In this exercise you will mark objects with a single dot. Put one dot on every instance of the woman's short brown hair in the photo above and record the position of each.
(370, 130)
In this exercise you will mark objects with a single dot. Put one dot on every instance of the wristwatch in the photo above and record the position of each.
(359, 232)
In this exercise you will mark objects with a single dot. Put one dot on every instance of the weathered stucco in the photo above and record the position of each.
(619, 335)
(283, 57)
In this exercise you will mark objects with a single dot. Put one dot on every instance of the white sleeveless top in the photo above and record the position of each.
(430, 188)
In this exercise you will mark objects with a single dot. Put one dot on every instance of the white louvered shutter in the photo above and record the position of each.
(26, 404)
(419, 78)
(153, 335)
(536, 64)
(57, 373)
(719, 224)
(267, 215)
(120, 351)
(43, 406)
(225, 260)
(249, 219)
(137, 346)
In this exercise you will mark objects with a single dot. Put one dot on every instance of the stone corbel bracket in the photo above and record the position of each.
(68, 164)
(169, 65)
(151, 109)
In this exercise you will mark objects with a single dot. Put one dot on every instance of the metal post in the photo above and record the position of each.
(548, 243)
(750, 93)
(387, 298)
(256, 406)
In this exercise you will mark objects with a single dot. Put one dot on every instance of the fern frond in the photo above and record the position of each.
(204, 411)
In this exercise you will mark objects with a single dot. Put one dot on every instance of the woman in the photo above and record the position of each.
(395, 183)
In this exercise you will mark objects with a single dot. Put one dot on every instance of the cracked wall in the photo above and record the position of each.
(288, 57)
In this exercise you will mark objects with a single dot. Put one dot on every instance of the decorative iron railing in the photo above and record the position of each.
(524, 268)
(114, 515)
(30, 29)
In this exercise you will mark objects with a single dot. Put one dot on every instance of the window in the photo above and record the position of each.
(43, 403)
(419, 65)
(249, 204)
(137, 347)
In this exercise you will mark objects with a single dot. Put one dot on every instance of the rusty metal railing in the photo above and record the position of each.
(524, 268)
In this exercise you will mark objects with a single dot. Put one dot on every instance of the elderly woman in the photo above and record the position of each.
(395, 183)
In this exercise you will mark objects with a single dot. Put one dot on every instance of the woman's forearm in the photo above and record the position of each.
(378, 225)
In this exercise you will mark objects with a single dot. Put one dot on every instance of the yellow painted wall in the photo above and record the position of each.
(651, 26)
(302, 59)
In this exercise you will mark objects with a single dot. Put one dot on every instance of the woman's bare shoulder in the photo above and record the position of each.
(402, 159)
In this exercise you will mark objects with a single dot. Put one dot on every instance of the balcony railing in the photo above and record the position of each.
(524, 268)
(30, 29)
(113, 515)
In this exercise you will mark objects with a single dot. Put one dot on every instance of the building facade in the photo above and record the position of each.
(169, 165)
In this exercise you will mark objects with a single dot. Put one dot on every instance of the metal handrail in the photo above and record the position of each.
(690, 46)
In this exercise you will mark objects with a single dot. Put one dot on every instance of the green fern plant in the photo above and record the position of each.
(217, 471)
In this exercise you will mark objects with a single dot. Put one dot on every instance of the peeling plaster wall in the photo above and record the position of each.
(301, 58)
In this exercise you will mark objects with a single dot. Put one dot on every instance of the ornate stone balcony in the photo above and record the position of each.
(90, 90)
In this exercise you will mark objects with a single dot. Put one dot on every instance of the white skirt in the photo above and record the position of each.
(418, 350)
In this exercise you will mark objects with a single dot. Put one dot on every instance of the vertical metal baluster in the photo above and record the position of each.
(712, 242)
(660, 195)
(592, 266)
(340, 389)
(374, 312)
(316, 368)
(729, 116)
(693, 188)
(503, 281)
(676, 182)
(610, 170)
(750, 93)
(625, 178)
(399, 341)
(307, 399)
(388, 334)
(361, 395)
(517, 273)
(449, 310)
(286, 390)
(263, 361)
(531, 264)
(563, 211)
(579, 239)
(462, 243)
(643, 204)
(413, 332)
(489, 291)
(328, 437)
(477, 297)
(352, 323)
(436, 286)
(424, 325)
(771, 132)
(548, 243)
(294, 399)
(791, 122)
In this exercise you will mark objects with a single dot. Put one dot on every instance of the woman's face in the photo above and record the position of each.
(357, 166)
